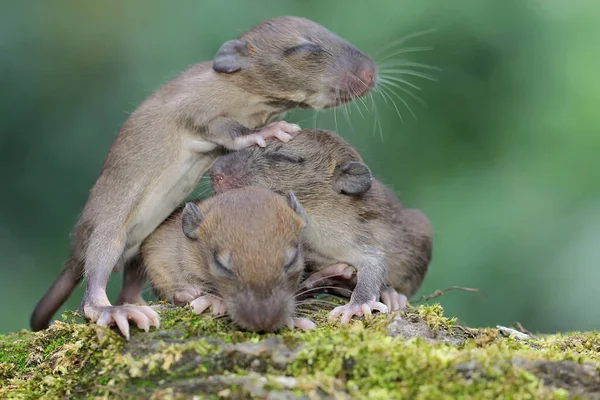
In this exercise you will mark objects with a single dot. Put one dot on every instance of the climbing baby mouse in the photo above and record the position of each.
(353, 220)
(173, 137)
(239, 251)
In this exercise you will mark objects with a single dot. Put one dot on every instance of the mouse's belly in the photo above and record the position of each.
(166, 193)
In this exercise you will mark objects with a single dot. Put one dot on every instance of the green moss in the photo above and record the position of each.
(207, 356)
(14, 350)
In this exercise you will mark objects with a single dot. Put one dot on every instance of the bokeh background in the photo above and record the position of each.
(503, 157)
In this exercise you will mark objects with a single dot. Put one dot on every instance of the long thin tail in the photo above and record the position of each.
(58, 293)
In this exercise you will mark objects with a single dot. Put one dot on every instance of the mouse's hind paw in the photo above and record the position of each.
(359, 309)
(202, 304)
(143, 316)
(340, 271)
(392, 299)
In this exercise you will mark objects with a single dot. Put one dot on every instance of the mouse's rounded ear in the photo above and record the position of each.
(190, 220)
(231, 57)
(295, 204)
(352, 178)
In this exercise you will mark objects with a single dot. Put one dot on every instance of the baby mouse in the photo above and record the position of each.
(354, 221)
(239, 252)
(173, 137)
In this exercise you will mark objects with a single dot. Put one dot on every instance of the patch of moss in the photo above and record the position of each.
(14, 350)
(211, 358)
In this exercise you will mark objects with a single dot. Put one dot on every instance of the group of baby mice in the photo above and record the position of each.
(293, 209)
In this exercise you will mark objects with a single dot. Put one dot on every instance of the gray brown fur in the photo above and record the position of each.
(371, 231)
(257, 231)
(173, 137)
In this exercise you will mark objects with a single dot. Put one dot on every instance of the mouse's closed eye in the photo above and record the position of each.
(222, 263)
(306, 48)
(280, 157)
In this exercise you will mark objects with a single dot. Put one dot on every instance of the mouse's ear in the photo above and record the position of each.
(231, 57)
(190, 220)
(295, 204)
(352, 178)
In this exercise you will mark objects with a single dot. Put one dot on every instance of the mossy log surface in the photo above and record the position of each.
(415, 354)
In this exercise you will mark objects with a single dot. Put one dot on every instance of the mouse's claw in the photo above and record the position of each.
(349, 310)
(281, 130)
(202, 303)
(143, 316)
(392, 299)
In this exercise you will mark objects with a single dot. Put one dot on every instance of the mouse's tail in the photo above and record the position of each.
(58, 293)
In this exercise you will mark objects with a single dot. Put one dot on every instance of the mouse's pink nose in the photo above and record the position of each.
(367, 75)
(362, 80)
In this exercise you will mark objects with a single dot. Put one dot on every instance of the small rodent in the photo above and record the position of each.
(239, 252)
(173, 137)
(353, 219)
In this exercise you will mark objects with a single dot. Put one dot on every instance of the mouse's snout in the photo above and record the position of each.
(222, 176)
(261, 315)
(367, 74)
(362, 79)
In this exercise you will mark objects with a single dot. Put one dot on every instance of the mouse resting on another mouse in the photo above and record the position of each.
(239, 252)
(162, 150)
(355, 223)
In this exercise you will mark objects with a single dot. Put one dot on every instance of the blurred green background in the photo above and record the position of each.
(503, 159)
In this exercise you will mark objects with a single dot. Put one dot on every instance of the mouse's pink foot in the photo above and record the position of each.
(303, 324)
(143, 316)
(392, 299)
(202, 303)
(334, 271)
(281, 130)
(187, 295)
(349, 310)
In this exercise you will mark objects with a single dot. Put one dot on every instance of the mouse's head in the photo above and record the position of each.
(250, 240)
(298, 63)
(314, 165)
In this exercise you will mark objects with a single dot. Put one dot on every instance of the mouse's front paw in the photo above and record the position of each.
(202, 304)
(281, 130)
(143, 316)
(392, 299)
(186, 295)
(303, 324)
(359, 309)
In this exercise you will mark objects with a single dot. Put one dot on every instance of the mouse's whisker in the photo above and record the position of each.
(357, 105)
(348, 119)
(376, 114)
(403, 39)
(404, 71)
(362, 101)
(385, 94)
(405, 63)
(402, 100)
(328, 276)
(387, 79)
(335, 119)
(405, 90)
(322, 288)
(318, 303)
(405, 50)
